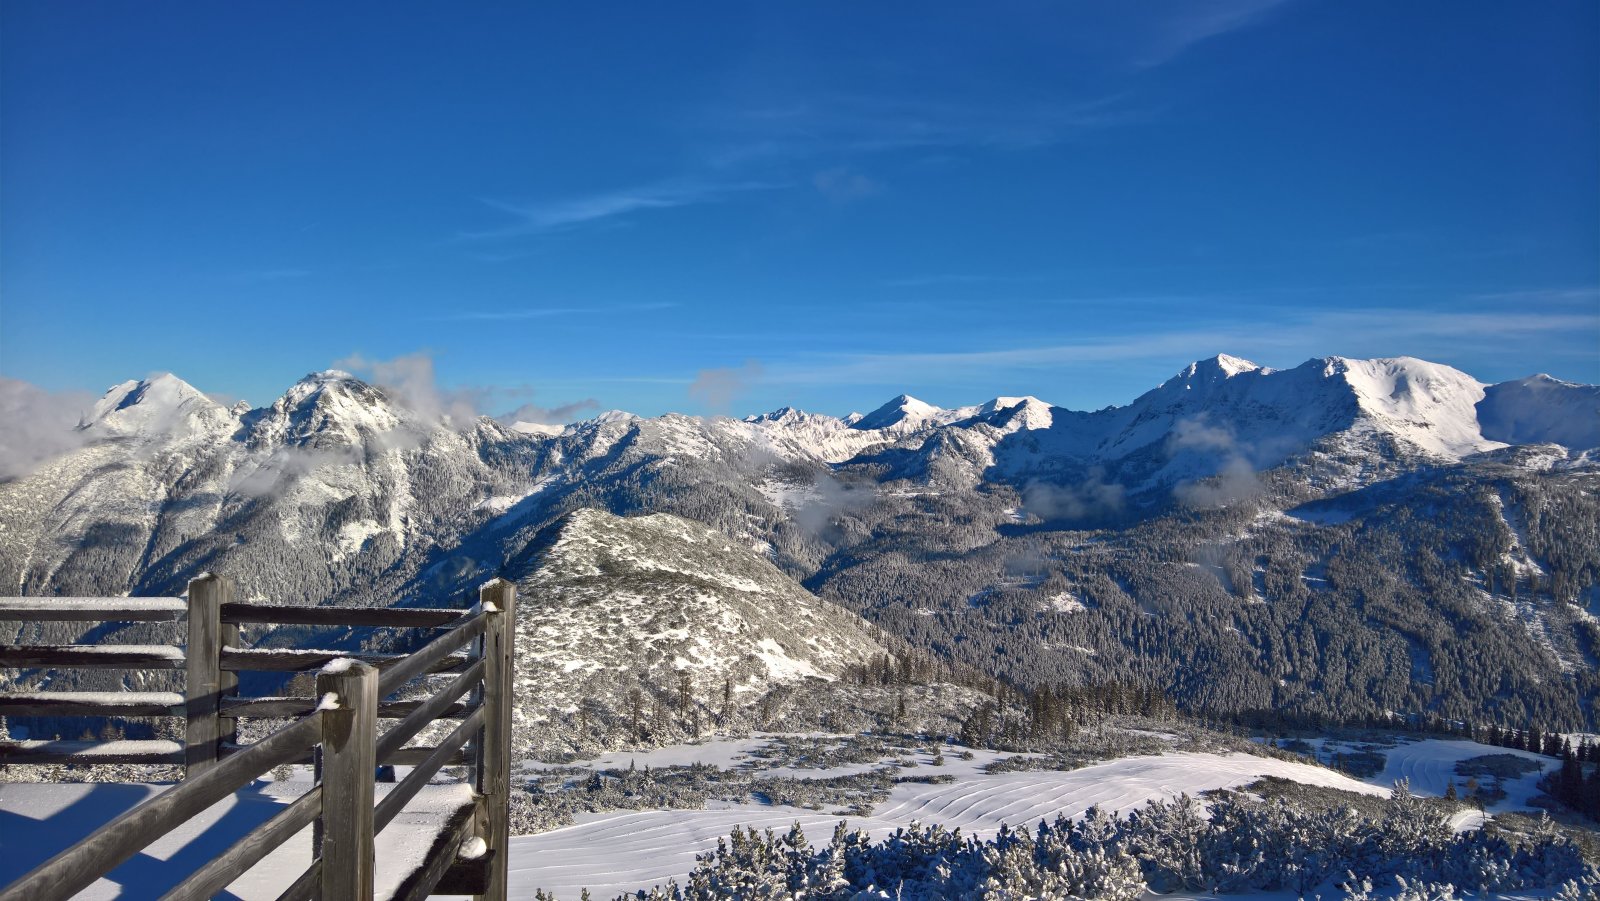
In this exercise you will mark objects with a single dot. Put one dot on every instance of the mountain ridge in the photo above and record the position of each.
(1398, 390)
(1014, 536)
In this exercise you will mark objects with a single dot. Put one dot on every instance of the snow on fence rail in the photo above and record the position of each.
(337, 728)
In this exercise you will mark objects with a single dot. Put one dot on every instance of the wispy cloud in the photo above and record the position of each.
(556, 215)
(270, 275)
(1194, 23)
(557, 415)
(862, 123)
(411, 380)
(928, 281)
(843, 184)
(1422, 333)
(1586, 295)
(717, 388)
(546, 312)
(494, 257)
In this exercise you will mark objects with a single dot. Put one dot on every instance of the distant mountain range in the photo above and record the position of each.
(1346, 536)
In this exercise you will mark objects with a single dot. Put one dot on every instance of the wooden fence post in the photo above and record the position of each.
(499, 600)
(203, 681)
(349, 761)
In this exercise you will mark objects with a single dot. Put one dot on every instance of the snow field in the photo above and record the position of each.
(610, 853)
(614, 853)
(1429, 767)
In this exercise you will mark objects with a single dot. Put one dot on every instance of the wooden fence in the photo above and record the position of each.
(337, 730)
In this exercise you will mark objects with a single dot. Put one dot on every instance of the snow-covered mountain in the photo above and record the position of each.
(171, 483)
(1540, 409)
(1225, 414)
(161, 408)
(954, 529)
(667, 611)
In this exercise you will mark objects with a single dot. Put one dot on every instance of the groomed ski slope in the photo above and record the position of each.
(618, 852)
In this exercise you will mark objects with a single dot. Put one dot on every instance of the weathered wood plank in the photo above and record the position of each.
(91, 656)
(431, 656)
(402, 757)
(203, 679)
(94, 610)
(498, 599)
(416, 756)
(288, 707)
(348, 763)
(245, 853)
(294, 660)
(77, 867)
(428, 711)
(377, 617)
(90, 752)
(91, 703)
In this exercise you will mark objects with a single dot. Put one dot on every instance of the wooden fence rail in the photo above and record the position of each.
(337, 729)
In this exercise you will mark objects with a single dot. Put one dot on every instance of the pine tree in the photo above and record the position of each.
(1569, 781)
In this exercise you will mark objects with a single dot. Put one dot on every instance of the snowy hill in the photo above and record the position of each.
(671, 613)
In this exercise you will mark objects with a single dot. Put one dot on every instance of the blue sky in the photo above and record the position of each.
(729, 208)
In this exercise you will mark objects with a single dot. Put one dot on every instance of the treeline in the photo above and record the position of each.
(1056, 713)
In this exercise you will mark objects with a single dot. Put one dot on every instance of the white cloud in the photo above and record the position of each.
(557, 415)
(718, 388)
(555, 215)
(410, 379)
(36, 425)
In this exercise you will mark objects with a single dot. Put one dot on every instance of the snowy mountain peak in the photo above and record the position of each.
(782, 414)
(1429, 404)
(329, 407)
(1211, 371)
(157, 406)
(1541, 409)
(1025, 413)
(904, 411)
(1229, 365)
(317, 382)
(1007, 403)
(545, 429)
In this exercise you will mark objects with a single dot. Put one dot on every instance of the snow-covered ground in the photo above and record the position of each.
(610, 853)
(1429, 766)
(617, 852)
(38, 820)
